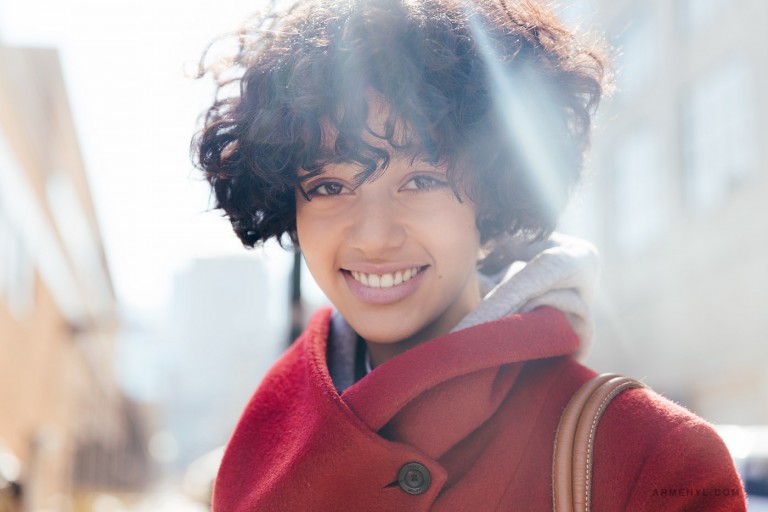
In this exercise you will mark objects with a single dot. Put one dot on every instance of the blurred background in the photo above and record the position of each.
(134, 327)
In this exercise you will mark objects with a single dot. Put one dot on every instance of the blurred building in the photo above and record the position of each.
(229, 321)
(61, 413)
(678, 203)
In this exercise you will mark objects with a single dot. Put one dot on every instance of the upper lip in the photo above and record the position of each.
(380, 268)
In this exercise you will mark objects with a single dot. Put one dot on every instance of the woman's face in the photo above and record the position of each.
(397, 255)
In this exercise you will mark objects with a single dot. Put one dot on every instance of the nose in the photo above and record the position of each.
(377, 225)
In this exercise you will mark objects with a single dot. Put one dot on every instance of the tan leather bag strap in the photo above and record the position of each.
(575, 437)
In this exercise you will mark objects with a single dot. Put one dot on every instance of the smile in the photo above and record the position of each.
(384, 287)
(385, 280)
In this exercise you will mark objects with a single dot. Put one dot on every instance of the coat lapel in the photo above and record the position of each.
(434, 395)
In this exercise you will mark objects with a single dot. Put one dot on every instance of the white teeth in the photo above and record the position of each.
(385, 280)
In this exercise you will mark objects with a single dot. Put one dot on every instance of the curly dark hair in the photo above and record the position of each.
(499, 92)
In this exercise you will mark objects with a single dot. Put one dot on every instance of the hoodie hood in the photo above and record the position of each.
(560, 272)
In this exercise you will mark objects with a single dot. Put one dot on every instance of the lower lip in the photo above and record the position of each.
(383, 295)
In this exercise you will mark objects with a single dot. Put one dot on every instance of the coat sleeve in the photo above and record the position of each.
(653, 455)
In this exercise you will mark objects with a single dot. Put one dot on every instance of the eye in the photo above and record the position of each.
(328, 188)
(424, 182)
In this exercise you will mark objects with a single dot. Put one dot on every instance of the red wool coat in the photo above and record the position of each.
(478, 409)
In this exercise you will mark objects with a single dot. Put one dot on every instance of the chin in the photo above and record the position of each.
(383, 338)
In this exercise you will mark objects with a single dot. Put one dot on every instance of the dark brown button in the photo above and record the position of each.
(414, 478)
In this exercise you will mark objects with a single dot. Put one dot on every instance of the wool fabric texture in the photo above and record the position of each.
(479, 409)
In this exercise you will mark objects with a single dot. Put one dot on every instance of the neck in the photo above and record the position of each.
(382, 352)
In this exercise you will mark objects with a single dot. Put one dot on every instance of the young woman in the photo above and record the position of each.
(419, 153)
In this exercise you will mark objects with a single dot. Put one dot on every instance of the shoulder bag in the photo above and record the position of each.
(575, 437)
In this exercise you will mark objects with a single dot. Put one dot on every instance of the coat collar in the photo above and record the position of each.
(457, 381)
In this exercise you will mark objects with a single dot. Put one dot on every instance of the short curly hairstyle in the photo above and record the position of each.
(499, 92)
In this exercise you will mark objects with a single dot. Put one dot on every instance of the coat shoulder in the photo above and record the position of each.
(653, 454)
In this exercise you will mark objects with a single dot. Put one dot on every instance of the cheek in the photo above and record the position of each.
(453, 232)
(301, 228)
(309, 226)
(318, 241)
(306, 232)
(460, 223)
(469, 235)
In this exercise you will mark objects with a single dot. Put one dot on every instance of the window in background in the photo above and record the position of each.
(640, 190)
(695, 15)
(30, 247)
(17, 277)
(583, 216)
(638, 59)
(718, 128)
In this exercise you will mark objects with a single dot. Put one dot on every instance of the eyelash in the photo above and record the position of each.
(314, 189)
(423, 183)
(433, 183)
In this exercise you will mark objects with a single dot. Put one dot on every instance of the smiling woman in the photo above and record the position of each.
(403, 145)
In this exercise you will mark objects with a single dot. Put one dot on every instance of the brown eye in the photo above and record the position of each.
(424, 183)
(328, 188)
